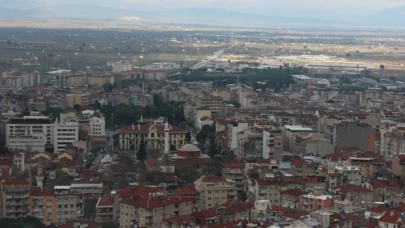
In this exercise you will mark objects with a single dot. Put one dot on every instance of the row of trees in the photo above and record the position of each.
(123, 114)
(276, 79)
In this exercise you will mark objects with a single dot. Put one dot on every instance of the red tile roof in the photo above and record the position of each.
(88, 173)
(297, 162)
(12, 182)
(371, 224)
(153, 162)
(292, 192)
(73, 224)
(391, 217)
(186, 192)
(279, 209)
(152, 202)
(385, 184)
(213, 179)
(180, 219)
(236, 208)
(106, 201)
(295, 214)
(212, 212)
(234, 165)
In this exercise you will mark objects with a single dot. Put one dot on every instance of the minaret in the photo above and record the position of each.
(167, 166)
(40, 175)
(167, 147)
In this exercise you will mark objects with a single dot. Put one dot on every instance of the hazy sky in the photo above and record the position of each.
(327, 8)
(328, 4)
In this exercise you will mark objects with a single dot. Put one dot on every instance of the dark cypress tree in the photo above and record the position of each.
(141, 155)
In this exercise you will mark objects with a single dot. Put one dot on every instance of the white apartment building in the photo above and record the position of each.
(122, 67)
(35, 142)
(97, 126)
(31, 80)
(35, 132)
(63, 134)
(29, 132)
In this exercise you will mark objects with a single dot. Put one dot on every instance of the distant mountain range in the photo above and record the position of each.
(389, 17)
(208, 16)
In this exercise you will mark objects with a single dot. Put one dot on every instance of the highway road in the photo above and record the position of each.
(208, 59)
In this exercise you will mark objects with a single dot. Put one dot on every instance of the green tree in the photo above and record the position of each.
(9, 42)
(205, 133)
(187, 175)
(228, 155)
(96, 105)
(77, 107)
(108, 87)
(53, 112)
(26, 112)
(214, 148)
(4, 149)
(26, 222)
(142, 152)
(110, 225)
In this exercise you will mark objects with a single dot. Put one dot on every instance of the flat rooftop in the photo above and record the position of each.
(30, 120)
(297, 128)
(302, 77)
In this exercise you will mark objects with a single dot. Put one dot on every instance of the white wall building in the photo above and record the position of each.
(122, 67)
(233, 131)
(29, 131)
(31, 80)
(97, 126)
(34, 132)
(64, 134)
(35, 142)
(204, 121)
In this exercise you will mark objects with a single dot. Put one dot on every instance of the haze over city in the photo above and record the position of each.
(218, 12)
(202, 114)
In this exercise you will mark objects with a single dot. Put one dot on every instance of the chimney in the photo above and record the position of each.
(133, 127)
(391, 213)
(139, 127)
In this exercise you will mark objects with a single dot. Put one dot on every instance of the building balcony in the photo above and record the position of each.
(17, 196)
(17, 209)
(17, 203)
(104, 211)
(104, 218)
(148, 214)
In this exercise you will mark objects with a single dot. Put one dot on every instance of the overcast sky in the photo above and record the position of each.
(278, 7)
